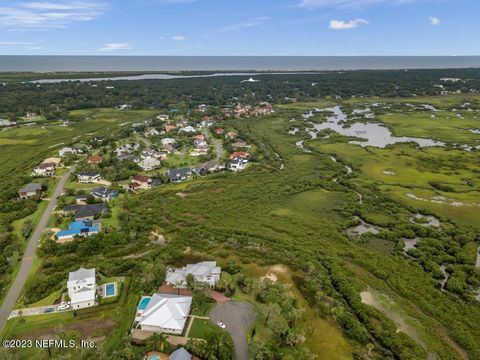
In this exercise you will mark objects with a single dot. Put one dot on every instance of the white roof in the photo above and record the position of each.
(84, 294)
(201, 269)
(167, 311)
(81, 274)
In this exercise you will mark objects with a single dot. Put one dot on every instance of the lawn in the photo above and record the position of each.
(203, 309)
(203, 329)
(49, 300)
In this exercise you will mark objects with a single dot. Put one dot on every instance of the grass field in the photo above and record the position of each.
(202, 329)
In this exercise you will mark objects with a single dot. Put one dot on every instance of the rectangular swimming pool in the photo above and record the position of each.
(110, 289)
(142, 305)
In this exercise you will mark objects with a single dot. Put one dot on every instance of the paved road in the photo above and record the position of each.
(217, 142)
(29, 255)
(219, 149)
(238, 317)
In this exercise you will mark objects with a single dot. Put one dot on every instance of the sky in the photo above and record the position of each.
(240, 27)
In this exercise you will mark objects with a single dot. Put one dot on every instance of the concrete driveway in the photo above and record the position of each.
(238, 317)
(39, 310)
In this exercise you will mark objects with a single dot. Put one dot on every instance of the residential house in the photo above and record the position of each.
(178, 175)
(240, 145)
(231, 135)
(151, 153)
(168, 141)
(151, 132)
(104, 194)
(44, 169)
(238, 164)
(89, 177)
(86, 212)
(199, 150)
(219, 131)
(82, 287)
(140, 182)
(5, 122)
(180, 354)
(166, 313)
(67, 151)
(239, 154)
(149, 163)
(168, 148)
(202, 107)
(199, 137)
(126, 149)
(163, 117)
(78, 228)
(188, 129)
(213, 166)
(95, 159)
(99, 139)
(206, 123)
(206, 272)
(81, 199)
(30, 190)
(53, 160)
(208, 167)
(169, 127)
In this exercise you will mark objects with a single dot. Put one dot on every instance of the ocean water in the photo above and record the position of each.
(11, 63)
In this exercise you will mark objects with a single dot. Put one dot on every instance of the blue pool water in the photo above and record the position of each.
(154, 357)
(143, 303)
(110, 289)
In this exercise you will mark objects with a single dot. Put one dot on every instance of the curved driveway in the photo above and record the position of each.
(237, 317)
(29, 254)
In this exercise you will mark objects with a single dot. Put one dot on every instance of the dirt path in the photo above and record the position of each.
(29, 255)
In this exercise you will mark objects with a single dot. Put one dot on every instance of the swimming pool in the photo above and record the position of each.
(142, 305)
(110, 289)
(154, 357)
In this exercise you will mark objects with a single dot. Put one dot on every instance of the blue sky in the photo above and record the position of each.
(240, 27)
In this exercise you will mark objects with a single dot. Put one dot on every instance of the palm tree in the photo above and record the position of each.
(157, 342)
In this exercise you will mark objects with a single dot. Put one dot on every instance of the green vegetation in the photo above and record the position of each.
(202, 329)
(283, 233)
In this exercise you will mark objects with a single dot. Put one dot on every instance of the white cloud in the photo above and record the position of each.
(345, 25)
(115, 47)
(434, 20)
(179, 38)
(48, 15)
(260, 20)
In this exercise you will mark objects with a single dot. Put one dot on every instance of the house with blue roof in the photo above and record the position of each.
(83, 228)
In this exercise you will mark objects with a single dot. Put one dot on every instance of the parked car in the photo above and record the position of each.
(49, 310)
(221, 324)
(63, 306)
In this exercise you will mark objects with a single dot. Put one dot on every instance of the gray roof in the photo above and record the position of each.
(181, 354)
(81, 274)
(83, 211)
(178, 174)
(32, 187)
